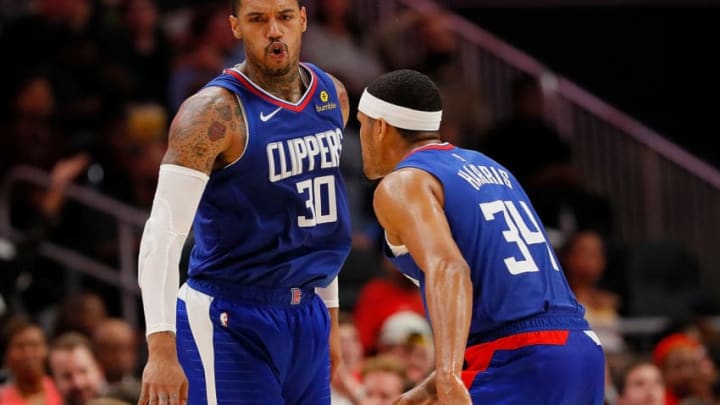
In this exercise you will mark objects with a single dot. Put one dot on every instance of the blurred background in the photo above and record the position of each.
(605, 112)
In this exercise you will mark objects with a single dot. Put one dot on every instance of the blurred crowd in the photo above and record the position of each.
(88, 90)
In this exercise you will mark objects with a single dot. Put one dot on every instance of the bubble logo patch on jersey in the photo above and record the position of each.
(325, 97)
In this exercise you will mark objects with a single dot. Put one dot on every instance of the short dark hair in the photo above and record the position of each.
(13, 325)
(410, 89)
(235, 5)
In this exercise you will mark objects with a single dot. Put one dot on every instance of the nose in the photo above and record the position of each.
(274, 31)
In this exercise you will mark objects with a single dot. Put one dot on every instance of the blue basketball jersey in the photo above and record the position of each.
(514, 270)
(278, 216)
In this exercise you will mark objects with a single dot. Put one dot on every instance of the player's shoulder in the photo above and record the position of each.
(210, 96)
(403, 182)
(341, 92)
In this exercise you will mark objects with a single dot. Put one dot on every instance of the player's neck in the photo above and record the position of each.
(289, 87)
(419, 144)
(400, 152)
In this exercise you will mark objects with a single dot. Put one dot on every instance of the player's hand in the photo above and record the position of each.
(335, 348)
(451, 391)
(163, 380)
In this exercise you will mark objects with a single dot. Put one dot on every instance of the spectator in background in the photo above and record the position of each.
(542, 162)
(75, 369)
(382, 297)
(584, 262)
(534, 151)
(24, 353)
(142, 54)
(680, 358)
(641, 383)
(116, 348)
(347, 386)
(335, 41)
(408, 338)
(385, 380)
(80, 313)
(436, 52)
(31, 136)
(211, 48)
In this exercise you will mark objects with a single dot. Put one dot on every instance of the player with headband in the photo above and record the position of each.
(507, 327)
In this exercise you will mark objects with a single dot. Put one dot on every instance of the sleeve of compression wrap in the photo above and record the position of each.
(330, 294)
(176, 199)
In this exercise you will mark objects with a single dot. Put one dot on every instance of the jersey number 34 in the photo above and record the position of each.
(518, 232)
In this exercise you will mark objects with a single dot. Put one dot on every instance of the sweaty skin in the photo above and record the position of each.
(409, 205)
(208, 133)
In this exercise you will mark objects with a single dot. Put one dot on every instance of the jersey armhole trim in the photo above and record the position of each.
(247, 133)
(397, 250)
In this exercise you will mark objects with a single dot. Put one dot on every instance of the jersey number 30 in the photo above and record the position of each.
(320, 194)
(519, 233)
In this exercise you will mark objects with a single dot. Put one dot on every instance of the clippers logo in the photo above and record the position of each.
(296, 296)
(224, 319)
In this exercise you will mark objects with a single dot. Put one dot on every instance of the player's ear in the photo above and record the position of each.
(235, 26)
(303, 18)
(381, 128)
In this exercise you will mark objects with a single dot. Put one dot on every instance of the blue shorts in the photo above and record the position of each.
(268, 347)
(555, 367)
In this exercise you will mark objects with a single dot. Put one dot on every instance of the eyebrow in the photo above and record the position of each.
(259, 13)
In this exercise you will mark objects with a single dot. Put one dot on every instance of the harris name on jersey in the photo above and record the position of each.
(295, 156)
(478, 175)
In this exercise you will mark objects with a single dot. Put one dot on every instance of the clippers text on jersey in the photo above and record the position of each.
(296, 156)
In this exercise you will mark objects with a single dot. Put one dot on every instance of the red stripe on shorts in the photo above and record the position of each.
(478, 357)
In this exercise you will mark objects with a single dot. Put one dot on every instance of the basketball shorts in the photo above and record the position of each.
(261, 346)
(551, 367)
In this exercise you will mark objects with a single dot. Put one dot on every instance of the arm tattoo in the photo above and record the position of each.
(198, 134)
(225, 112)
(216, 131)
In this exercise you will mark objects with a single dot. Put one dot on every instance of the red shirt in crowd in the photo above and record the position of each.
(378, 300)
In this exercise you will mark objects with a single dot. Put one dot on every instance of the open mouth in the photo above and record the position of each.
(276, 49)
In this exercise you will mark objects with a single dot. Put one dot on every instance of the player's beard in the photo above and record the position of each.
(279, 71)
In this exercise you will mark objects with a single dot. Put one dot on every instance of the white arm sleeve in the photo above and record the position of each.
(330, 294)
(176, 199)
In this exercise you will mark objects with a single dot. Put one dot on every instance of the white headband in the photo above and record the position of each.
(397, 116)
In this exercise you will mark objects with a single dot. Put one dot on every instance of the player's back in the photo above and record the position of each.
(515, 273)
(278, 216)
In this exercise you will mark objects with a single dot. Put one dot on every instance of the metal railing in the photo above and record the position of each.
(129, 220)
(657, 189)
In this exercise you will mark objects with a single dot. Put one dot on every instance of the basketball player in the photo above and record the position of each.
(253, 164)
(507, 328)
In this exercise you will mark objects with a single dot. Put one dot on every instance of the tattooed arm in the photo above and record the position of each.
(207, 131)
(203, 135)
